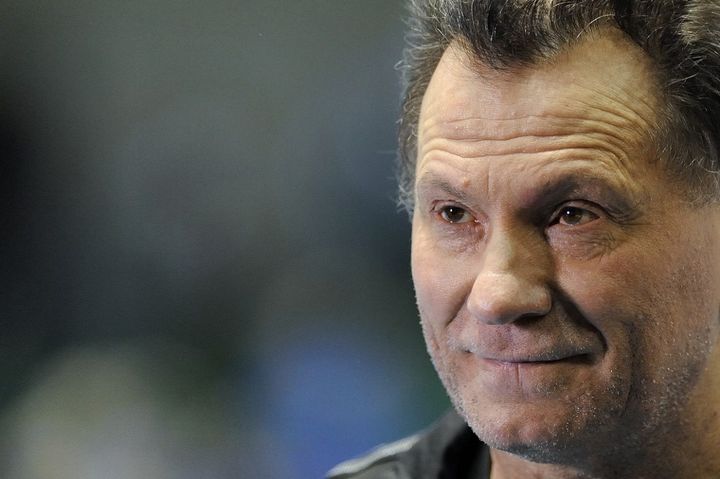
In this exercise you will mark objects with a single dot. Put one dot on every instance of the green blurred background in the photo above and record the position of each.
(204, 273)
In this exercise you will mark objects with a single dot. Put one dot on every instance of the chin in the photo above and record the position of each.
(538, 433)
(545, 448)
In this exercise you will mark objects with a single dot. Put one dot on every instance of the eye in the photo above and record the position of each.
(455, 214)
(574, 216)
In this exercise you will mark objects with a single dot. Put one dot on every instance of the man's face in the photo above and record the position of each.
(568, 293)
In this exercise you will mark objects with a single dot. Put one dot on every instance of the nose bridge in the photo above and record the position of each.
(512, 281)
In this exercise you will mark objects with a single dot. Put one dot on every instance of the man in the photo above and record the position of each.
(560, 164)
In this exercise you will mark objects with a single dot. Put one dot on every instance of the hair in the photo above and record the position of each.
(681, 37)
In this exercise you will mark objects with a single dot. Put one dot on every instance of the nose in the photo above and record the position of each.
(512, 282)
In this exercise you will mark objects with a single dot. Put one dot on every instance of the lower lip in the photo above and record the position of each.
(526, 378)
(508, 364)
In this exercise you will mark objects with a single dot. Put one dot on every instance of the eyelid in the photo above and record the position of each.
(437, 205)
(585, 205)
(440, 205)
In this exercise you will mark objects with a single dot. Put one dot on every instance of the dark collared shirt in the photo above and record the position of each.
(447, 450)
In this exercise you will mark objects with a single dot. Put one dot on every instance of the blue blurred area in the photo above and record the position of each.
(204, 273)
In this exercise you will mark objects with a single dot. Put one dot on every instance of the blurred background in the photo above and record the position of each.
(203, 271)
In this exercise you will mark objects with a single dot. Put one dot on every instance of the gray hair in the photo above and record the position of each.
(681, 37)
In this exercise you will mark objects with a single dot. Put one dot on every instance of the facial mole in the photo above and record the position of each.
(465, 182)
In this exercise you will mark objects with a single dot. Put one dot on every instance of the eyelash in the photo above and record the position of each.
(445, 212)
(587, 210)
(441, 210)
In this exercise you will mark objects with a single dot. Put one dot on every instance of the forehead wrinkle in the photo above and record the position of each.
(455, 126)
(475, 128)
(593, 147)
(602, 133)
(526, 155)
(576, 169)
(611, 107)
(635, 118)
(616, 107)
(582, 132)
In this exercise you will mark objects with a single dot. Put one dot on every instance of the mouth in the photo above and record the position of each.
(519, 375)
(540, 359)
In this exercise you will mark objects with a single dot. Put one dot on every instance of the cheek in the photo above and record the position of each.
(654, 300)
(442, 283)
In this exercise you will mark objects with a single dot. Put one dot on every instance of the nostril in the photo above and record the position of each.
(500, 298)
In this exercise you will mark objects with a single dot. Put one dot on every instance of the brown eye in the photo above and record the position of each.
(574, 216)
(455, 214)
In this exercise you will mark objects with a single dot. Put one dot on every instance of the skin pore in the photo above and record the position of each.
(569, 293)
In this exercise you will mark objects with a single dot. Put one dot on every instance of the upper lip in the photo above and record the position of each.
(524, 345)
(530, 360)
(554, 354)
(523, 348)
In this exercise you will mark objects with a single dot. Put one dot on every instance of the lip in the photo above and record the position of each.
(517, 354)
(515, 378)
(548, 359)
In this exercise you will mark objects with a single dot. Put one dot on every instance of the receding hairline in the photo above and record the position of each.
(590, 37)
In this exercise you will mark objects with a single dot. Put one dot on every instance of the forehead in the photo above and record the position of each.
(604, 66)
(599, 92)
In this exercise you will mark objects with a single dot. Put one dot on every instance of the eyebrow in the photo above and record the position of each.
(586, 182)
(555, 189)
(433, 181)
